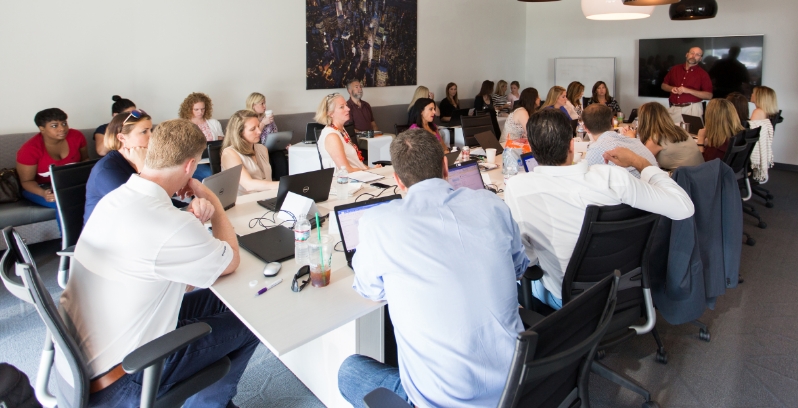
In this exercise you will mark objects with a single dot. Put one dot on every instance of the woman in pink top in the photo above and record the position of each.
(421, 115)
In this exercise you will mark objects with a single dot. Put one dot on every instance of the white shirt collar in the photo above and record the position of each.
(563, 171)
(147, 187)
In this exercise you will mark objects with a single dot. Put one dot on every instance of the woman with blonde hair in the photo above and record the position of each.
(242, 146)
(198, 108)
(499, 96)
(556, 99)
(256, 102)
(721, 124)
(670, 144)
(767, 107)
(574, 95)
(421, 92)
(336, 147)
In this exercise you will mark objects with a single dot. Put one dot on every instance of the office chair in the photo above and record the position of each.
(400, 128)
(69, 187)
(738, 157)
(316, 135)
(149, 357)
(311, 136)
(214, 150)
(552, 358)
(473, 125)
(757, 185)
(612, 238)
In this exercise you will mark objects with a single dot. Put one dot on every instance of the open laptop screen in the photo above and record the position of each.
(529, 161)
(466, 175)
(349, 218)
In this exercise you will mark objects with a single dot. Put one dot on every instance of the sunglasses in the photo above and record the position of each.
(298, 286)
(136, 113)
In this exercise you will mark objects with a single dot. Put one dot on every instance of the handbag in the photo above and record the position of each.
(10, 191)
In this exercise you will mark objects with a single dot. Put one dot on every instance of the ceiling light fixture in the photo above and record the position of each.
(614, 10)
(693, 10)
(648, 2)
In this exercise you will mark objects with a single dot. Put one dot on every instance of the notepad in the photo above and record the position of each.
(365, 176)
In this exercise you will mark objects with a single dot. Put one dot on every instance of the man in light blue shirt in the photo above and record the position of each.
(447, 262)
(598, 123)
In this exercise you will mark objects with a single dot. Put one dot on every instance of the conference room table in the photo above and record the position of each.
(305, 157)
(312, 331)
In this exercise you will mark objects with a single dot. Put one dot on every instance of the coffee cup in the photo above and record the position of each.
(491, 155)
(268, 113)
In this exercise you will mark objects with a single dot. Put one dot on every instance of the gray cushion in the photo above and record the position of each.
(24, 212)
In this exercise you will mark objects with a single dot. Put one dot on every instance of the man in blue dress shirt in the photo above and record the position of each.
(447, 262)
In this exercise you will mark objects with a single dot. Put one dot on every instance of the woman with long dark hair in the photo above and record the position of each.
(421, 115)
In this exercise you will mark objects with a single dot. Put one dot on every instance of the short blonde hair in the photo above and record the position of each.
(554, 93)
(766, 100)
(235, 130)
(115, 127)
(421, 92)
(188, 104)
(254, 99)
(722, 122)
(174, 142)
(325, 108)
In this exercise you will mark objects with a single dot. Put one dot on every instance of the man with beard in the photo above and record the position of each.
(359, 110)
(688, 85)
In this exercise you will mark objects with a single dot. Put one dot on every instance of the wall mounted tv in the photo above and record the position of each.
(734, 63)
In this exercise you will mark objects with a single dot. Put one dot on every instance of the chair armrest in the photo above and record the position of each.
(384, 398)
(158, 349)
(534, 273)
(68, 251)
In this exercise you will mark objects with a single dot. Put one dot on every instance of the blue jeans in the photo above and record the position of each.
(39, 200)
(229, 337)
(360, 375)
(202, 171)
(539, 291)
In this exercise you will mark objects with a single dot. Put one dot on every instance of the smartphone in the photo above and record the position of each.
(380, 185)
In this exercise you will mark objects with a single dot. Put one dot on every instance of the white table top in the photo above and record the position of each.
(284, 320)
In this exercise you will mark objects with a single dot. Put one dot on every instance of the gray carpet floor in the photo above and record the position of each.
(751, 360)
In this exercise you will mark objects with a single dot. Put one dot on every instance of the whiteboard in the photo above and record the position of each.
(588, 71)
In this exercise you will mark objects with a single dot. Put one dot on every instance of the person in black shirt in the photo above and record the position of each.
(483, 102)
(450, 103)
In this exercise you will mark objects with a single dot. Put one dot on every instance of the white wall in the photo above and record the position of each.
(77, 55)
(559, 29)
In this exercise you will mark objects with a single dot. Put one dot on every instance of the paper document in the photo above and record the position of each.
(477, 151)
(365, 176)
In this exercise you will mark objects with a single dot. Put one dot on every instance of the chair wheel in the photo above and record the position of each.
(769, 204)
(762, 224)
(704, 335)
(740, 279)
(750, 242)
(650, 404)
(662, 357)
(600, 355)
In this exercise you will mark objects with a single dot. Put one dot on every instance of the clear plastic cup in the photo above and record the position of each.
(320, 259)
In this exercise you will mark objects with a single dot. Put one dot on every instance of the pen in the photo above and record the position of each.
(271, 285)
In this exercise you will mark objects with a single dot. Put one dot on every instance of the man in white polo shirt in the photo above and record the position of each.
(133, 263)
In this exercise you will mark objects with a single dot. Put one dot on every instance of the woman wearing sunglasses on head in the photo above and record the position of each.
(336, 147)
(126, 139)
(121, 105)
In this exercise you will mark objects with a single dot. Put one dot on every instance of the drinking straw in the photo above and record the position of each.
(321, 250)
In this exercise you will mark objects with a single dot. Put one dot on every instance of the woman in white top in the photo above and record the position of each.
(338, 150)
(242, 146)
(198, 108)
(515, 89)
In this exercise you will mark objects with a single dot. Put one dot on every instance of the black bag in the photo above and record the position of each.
(10, 191)
(15, 389)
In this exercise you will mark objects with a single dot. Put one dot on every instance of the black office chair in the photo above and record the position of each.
(69, 187)
(316, 135)
(612, 238)
(214, 150)
(473, 125)
(400, 128)
(551, 360)
(738, 157)
(756, 186)
(149, 357)
(311, 136)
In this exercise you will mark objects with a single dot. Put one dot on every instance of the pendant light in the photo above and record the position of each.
(694, 10)
(614, 10)
(536, 1)
(648, 2)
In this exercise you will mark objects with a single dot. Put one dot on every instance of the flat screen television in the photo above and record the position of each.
(734, 63)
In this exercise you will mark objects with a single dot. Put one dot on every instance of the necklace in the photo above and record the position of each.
(348, 140)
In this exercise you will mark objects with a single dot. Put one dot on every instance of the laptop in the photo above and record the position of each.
(348, 217)
(278, 140)
(313, 184)
(466, 174)
(696, 123)
(529, 161)
(488, 141)
(452, 157)
(274, 244)
(225, 185)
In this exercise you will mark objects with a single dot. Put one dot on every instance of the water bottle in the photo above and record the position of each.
(301, 235)
(509, 164)
(342, 183)
(580, 131)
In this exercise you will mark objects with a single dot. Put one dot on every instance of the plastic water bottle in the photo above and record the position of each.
(509, 164)
(580, 131)
(301, 235)
(342, 183)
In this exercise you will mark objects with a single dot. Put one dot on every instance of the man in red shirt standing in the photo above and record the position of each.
(688, 85)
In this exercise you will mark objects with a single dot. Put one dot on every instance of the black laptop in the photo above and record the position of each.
(488, 141)
(313, 184)
(274, 244)
(348, 217)
(696, 123)
(466, 174)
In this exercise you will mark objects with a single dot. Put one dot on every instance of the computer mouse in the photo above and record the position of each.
(272, 268)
